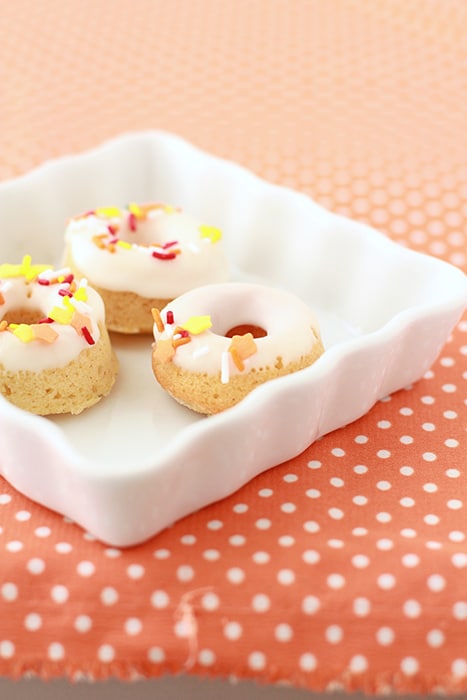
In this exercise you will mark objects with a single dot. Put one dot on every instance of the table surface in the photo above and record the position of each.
(346, 566)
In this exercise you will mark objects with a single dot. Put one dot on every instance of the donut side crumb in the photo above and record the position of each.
(69, 389)
(206, 394)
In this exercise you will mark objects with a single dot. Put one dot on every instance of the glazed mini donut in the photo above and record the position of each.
(55, 353)
(141, 257)
(214, 344)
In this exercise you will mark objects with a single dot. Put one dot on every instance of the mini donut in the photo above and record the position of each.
(55, 353)
(215, 344)
(141, 257)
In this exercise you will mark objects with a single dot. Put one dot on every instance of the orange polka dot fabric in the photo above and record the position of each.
(346, 566)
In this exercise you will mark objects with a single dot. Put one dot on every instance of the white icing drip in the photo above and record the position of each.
(16, 355)
(135, 269)
(290, 326)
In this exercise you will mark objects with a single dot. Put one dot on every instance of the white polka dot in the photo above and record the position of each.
(4, 498)
(283, 632)
(185, 573)
(459, 668)
(459, 610)
(432, 544)
(233, 630)
(386, 581)
(188, 540)
(384, 485)
(240, 508)
(361, 439)
(338, 452)
(410, 560)
(237, 540)
(335, 543)
(257, 661)
(406, 439)
(454, 504)
(59, 594)
(83, 623)
(307, 662)
(383, 454)
(263, 523)
(453, 473)
(335, 581)
(459, 559)
(436, 582)
(336, 513)
(9, 591)
(211, 554)
(42, 531)
(288, 507)
(407, 502)
(286, 541)
(408, 532)
(135, 571)
(334, 634)
(406, 411)
(360, 469)
(7, 649)
(85, 569)
(385, 636)
(106, 653)
(314, 464)
(412, 609)
(361, 607)
(261, 557)
(286, 577)
(235, 575)
(456, 536)
(384, 544)
(56, 651)
(261, 603)
(429, 487)
(384, 424)
(360, 531)
(429, 456)
(310, 604)
(63, 547)
(162, 553)
(313, 493)
(450, 415)
(265, 493)
(360, 561)
(337, 482)
(311, 556)
(206, 657)
(160, 599)
(14, 546)
(311, 526)
(409, 666)
(406, 471)
(215, 525)
(449, 388)
(358, 663)
(210, 602)
(431, 519)
(360, 500)
(22, 516)
(109, 595)
(435, 638)
(133, 626)
(428, 400)
(33, 622)
(35, 566)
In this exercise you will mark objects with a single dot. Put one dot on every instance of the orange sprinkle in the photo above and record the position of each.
(80, 321)
(181, 341)
(237, 359)
(3, 325)
(244, 345)
(157, 319)
(43, 331)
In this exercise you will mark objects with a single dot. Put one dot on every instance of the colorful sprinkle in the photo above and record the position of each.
(87, 336)
(181, 340)
(81, 294)
(25, 269)
(242, 347)
(22, 331)
(165, 256)
(61, 315)
(132, 222)
(197, 324)
(214, 234)
(44, 332)
(225, 371)
(170, 317)
(3, 325)
(124, 244)
(157, 319)
(135, 209)
(108, 212)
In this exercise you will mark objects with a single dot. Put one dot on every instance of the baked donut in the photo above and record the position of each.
(141, 257)
(216, 343)
(55, 353)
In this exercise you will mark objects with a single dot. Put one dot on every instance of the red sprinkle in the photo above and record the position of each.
(170, 317)
(69, 279)
(132, 221)
(163, 256)
(112, 229)
(184, 333)
(88, 337)
(46, 320)
(170, 244)
(65, 293)
(43, 281)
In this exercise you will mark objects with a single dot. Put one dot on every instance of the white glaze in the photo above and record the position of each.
(289, 323)
(37, 355)
(134, 269)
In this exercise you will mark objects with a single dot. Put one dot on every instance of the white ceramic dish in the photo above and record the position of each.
(138, 461)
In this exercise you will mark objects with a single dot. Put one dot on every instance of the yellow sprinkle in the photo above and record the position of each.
(61, 315)
(124, 244)
(197, 324)
(214, 234)
(25, 269)
(22, 331)
(68, 305)
(135, 209)
(81, 294)
(108, 212)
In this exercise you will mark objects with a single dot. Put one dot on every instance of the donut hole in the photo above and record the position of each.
(244, 328)
(23, 315)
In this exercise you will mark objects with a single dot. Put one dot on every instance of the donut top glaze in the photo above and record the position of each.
(197, 331)
(153, 250)
(46, 318)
